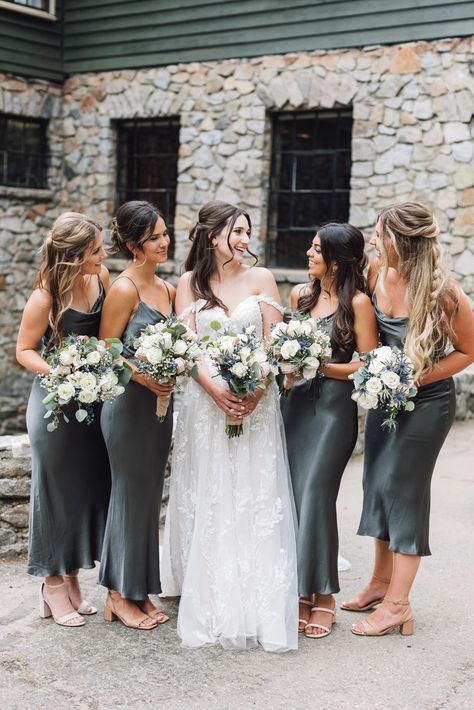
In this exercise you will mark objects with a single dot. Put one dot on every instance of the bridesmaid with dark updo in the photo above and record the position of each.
(320, 416)
(138, 444)
(70, 478)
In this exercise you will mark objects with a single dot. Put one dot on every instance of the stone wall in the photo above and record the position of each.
(412, 138)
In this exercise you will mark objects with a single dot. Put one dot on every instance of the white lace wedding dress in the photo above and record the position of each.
(229, 547)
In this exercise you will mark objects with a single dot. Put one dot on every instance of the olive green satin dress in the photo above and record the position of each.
(138, 446)
(398, 465)
(321, 431)
(70, 477)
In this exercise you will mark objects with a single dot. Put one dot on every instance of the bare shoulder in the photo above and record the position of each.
(260, 274)
(171, 289)
(104, 276)
(122, 288)
(300, 290)
(454, 297)
(360, 301)
(41, 298)
(185, 279)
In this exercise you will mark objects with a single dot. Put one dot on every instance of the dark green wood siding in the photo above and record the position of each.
(115, 34)
(31, 45)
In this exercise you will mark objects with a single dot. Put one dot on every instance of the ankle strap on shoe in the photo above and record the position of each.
(401, 602)
(381, 579)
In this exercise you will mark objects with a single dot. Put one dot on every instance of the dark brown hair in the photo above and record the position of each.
(212, 219)
(343, 244)
(134, 222)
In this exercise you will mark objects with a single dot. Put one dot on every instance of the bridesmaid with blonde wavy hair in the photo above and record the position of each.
(419, 307)
(70, 479)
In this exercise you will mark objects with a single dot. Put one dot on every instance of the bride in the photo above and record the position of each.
(229, 547)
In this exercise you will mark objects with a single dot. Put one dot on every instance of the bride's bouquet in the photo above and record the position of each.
(385, 382)
(243, 362)
(83, 370)
(300, 347)
(165, 351)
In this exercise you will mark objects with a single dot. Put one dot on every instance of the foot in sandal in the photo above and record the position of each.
(75, 595)
(369, 597)
(323, 616)
(149, 608)
(305, 604)
(390, 615)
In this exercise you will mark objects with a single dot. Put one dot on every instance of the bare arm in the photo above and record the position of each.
(366, 338)
(463, 343)
(33, 326)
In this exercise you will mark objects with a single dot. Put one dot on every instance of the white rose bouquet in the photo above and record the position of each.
(300, 347)
(385, 382)
(165, 351)
(83, 370)
(243, 362)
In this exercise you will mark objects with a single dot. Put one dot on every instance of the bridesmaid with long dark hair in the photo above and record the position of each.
(70, 472)
(320, 416)
(137, 442)
(420, 308)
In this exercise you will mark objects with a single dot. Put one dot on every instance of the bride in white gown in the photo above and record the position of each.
(229, 547)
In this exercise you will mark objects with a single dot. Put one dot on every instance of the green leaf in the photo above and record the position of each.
(195, 372)
(52, 426)
(81, 414)
(49, 398)
(215, 325)
(48, 414)
(51, 406)
(114, 351)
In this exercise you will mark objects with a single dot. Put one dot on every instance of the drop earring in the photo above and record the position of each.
(134, 258)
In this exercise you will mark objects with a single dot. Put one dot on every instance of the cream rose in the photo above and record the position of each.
(391, 379)
(93, 358)
(289, 349)
(65, 357)
(373, 385)
(65, 391)
(368, 401)
(179, 347)
(239, 369)
(87, 381)
(87, 396)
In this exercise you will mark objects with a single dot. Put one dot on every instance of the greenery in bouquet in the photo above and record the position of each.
(86, 371)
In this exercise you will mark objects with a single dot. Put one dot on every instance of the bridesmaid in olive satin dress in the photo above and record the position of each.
(70, 481)
(137, 442)
(419, 307)
(321, 418)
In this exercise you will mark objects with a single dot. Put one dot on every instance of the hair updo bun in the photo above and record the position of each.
(133, 224)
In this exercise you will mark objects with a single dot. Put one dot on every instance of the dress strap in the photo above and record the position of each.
(123, 276)
(263, 298)
(169, 296)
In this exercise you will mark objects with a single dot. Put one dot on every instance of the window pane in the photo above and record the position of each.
(23, 151)
(309, 182)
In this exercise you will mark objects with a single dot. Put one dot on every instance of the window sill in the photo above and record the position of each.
(25, 193)
(50, 16)
(292, 276)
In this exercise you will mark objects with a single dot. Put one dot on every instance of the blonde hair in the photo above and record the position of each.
(62, 256)
(413, 232)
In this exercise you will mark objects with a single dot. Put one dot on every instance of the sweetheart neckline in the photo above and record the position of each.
(229, 317)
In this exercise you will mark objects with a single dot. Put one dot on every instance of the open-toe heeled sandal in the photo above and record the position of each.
(326, 629)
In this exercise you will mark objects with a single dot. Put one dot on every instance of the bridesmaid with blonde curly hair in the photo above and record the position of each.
(70, 479)
(419, 307)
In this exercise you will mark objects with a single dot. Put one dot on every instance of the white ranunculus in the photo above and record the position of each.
(154, 355)
(87, 396)
(65, 357)
(409, 406)
(376, 366)
(65, 392)
(373, 385)
(391, 379)
(289, 349)
(179, 347)
(87, 381)
(315, 349)
(368, 401)
(239, 369)
(93, 358)
(294, 328)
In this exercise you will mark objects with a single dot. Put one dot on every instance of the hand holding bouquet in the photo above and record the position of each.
(84, 370)
(242, 361)
(164, 351)
(300, 348)
(385, 382)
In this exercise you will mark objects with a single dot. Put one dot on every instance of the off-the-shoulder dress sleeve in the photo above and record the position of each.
(263, 298)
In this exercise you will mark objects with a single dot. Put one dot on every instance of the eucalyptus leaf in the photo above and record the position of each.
(81, 414)
(52, 426)
(215, 325)
(49, 398)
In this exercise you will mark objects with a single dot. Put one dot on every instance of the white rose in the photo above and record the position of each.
(93, 358)
(167, 341)
(154, 355)
(65, 357)
(180, 365)
(87, 396)
(87, 381)
(259, 355)
(315, 349)
(373, 385)
(289, 349)
(65, 392)
(294, 328)
(179, 347)
(383, 353)
(279, 329)
(306, 327)
(409, 406)
(391, 379)
(226, 344)
(72, 349)
(376, 366)
(239, 369)
(245, 353)
(77, 361)
(368, 401)
(108, 380)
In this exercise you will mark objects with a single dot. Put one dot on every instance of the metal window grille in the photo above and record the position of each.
(23, 151)
(310, 180)
(147, 164)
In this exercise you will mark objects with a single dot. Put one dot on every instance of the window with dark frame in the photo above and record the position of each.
(310, 181)
(43, 5)
(23, 151)
(147, 164)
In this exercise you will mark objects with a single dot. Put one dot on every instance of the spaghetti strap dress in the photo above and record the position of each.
(138, 446)
(321, 431)
(398, 465)
(70, 477)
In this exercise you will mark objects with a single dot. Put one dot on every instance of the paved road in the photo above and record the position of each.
(104, 666)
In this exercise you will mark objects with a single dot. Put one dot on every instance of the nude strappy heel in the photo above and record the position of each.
(327, 629)
(303, 621)
(406, 626)
(45, 610)
(84, 607)
(346, 606)
(112, 614)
